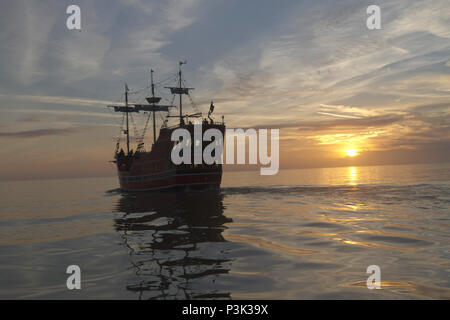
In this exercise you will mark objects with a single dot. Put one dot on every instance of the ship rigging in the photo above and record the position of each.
(142, 170)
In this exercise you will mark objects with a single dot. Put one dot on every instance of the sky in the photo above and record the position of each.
(310, 68)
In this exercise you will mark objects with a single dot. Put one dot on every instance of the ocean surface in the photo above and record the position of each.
(301, 234)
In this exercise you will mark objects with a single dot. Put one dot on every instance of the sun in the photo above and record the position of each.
(351, 152)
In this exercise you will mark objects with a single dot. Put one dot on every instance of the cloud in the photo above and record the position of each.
(38, 133)
(30, 118)
(433, 107)
(26, 34)
(60, 100)
(339, 124)
(339, 59)
(337, 115)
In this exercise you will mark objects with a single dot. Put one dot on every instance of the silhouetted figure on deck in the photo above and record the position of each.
(211, 110)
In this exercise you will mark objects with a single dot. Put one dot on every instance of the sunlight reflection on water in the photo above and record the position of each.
(353, 175)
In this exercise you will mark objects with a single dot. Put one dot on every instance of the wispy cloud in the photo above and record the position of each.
(37, 133)
(337, 115)
(60, 100)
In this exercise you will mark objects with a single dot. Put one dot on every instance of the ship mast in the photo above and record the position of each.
(180, 90)
(181, 101)
(153, 104)
(126, 111)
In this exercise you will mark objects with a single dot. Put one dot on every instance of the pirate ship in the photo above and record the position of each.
(142, 170)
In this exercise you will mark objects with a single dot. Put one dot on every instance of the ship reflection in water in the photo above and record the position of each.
(172, 240)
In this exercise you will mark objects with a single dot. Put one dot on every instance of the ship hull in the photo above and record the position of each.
(173, 179)
(154, 170)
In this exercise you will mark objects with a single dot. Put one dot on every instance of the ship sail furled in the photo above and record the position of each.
(177, 90)
(149, 107)
(141, 107)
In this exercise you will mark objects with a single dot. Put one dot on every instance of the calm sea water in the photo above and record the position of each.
(300, 234)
